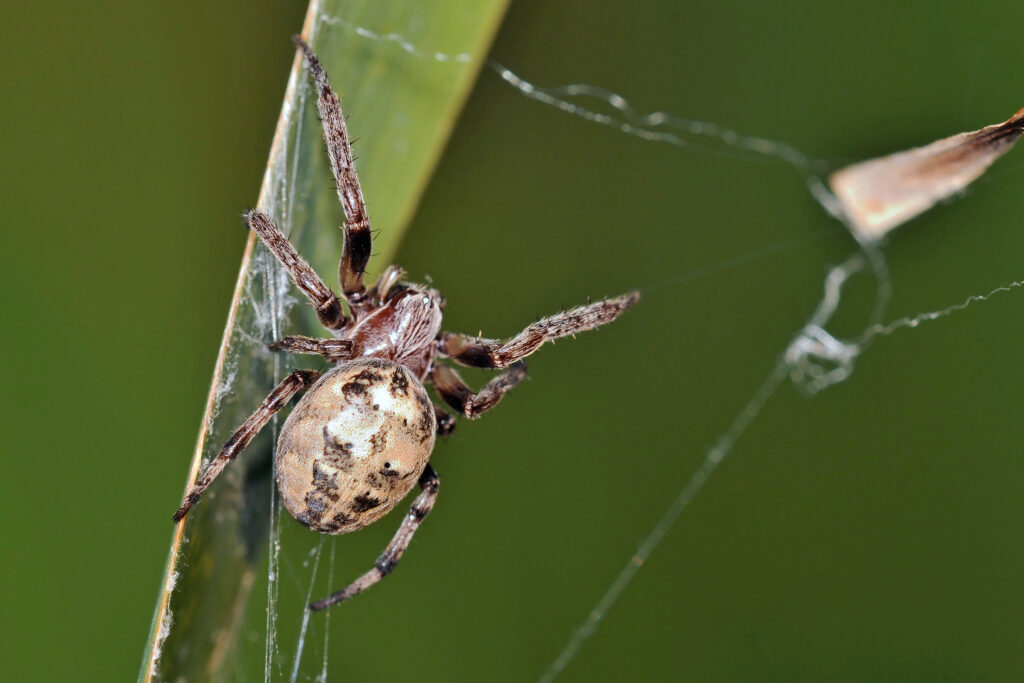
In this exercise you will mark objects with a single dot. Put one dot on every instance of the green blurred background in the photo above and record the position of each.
(870, 533)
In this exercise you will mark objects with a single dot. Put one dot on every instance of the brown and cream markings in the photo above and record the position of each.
(355, 445)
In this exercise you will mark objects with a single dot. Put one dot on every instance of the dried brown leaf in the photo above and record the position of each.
(881, 194)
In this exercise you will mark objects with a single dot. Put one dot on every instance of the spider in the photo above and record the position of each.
(361, 437)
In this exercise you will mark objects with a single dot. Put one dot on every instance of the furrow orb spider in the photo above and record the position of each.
(361, 436)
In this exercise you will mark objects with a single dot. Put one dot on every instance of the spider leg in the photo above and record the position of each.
(292, 384)
(331, 349)
(356, 251)
(459, 396)
(326, 303)
(445, 422)
(388, 279)
(385, 564)
(478, 352)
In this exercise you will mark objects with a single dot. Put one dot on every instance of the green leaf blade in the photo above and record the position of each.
(403, 105)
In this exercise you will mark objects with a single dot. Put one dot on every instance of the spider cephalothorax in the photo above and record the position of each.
(361, 437)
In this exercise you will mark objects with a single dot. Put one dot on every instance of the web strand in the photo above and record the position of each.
(399, 41)
(714, 456)
(281, 201)
(322, 678)
(915, 320)
(305, 613)
(730, 143)
(787, 364)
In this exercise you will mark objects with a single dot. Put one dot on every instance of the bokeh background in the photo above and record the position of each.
(870, 533)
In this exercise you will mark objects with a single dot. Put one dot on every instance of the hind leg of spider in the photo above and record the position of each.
(429, 483)
(356, 250)
(328, 308)
(459, 396)
(333, 350)
(292, 384)
(478, 352)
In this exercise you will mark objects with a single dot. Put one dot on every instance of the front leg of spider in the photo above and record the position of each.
(388, 560)
(478, 352)
(328, 308)
(356, 250)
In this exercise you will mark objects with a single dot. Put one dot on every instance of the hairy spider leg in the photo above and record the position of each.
(421, 507)
(356, 251)
(459, 396)
(289, 387)
(333, 350)
(328, 308)
(478, 352)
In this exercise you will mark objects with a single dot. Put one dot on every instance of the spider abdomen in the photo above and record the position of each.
(354, 445)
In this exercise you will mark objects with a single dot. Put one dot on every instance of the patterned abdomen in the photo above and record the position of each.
(355, 445)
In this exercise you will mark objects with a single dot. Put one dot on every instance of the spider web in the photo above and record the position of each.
(813, 360)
